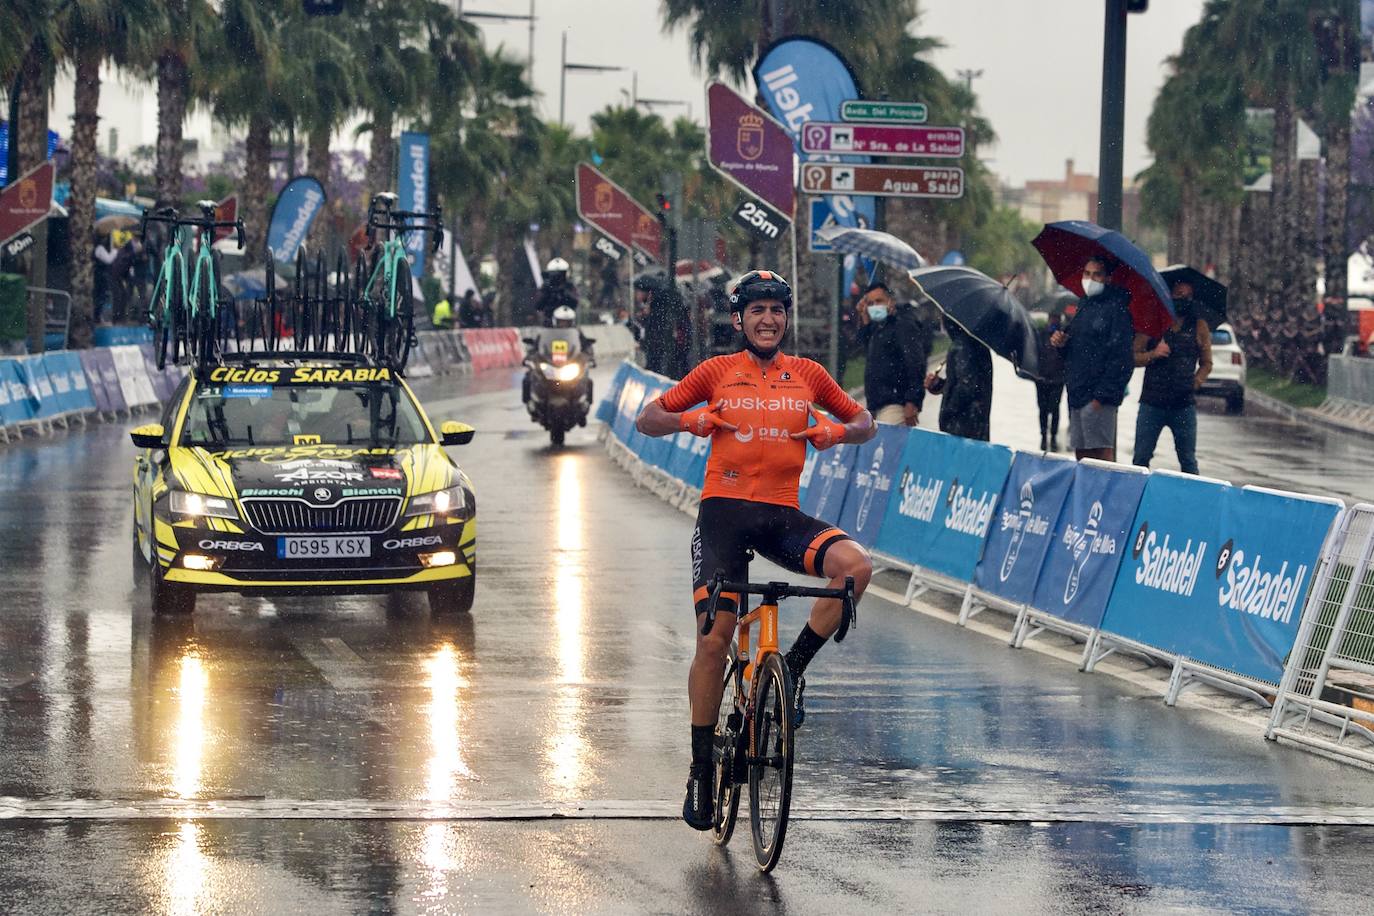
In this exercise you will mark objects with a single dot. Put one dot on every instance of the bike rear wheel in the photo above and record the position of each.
(729, 729)
(770, 760)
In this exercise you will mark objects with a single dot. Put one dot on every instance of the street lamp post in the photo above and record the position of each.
(1113, 116)
(505, 17)
(563, 76)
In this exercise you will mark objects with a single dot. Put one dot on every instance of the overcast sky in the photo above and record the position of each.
(1041, 62)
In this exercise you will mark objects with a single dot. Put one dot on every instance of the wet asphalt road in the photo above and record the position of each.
(338, 755)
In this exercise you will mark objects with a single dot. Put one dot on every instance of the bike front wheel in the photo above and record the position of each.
(725, 754)
(770, 760)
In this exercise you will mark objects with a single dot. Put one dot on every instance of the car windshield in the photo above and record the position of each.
(1222, 336)
(375, 414)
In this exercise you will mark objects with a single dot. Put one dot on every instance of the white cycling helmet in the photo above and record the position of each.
(556, 266)
(565, 313)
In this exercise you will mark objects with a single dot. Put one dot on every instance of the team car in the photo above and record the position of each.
(300, 474)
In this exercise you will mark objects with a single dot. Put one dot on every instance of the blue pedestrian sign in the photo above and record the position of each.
(821, 217)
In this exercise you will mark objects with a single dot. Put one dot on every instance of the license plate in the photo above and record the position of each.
(323, 548)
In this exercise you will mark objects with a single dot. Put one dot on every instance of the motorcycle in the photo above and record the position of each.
(557, 389)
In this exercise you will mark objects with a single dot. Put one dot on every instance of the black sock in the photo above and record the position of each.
(703, 740)
(808, 643)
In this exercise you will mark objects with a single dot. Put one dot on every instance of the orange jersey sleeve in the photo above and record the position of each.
(828, 392)
(694, 388)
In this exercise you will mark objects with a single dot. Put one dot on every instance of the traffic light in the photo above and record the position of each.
(665, 206)
(1137, 6)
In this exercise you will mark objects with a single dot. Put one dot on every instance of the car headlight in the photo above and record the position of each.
(569, 372)
(448, 501)
(197, 505)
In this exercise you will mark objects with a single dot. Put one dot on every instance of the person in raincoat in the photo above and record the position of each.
(966, 388)
(1049, 388)
(1176, 365)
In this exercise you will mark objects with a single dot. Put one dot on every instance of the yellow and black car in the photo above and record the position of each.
(301, 475)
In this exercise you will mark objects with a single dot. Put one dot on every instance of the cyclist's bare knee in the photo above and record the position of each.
(848, 558)
(716, 644)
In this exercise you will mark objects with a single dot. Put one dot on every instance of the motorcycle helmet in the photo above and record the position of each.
(564, 317)
(760, 284)
(556, 269)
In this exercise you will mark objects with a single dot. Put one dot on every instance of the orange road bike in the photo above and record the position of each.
(755, 736)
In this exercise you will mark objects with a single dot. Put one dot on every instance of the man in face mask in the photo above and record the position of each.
(1098, 360)
(897, 348)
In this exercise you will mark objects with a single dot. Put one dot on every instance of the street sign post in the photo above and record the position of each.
(883, 112)
(750, 149)
(25, 202)
(943, 182)
(608, 207)
(760, 220)
(883, 140)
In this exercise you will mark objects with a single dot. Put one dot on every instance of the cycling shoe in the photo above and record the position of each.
(698, 808)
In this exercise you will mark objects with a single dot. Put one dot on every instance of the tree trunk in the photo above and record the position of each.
(173, 87)
(31, 137)
(1174, 251)
(257, 181)
(381, 171)
(81, 201)
(317, 162)
(1335, 255)
(1301, 293)
(1277, 327)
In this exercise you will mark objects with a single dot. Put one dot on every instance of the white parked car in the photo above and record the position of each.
(1228, 370)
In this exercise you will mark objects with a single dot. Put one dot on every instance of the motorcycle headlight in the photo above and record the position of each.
(549, 370)
(448, 501)
(569, 372)
(186, 504)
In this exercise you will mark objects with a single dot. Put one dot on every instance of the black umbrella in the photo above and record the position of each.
(986, 310)
(1208, 294)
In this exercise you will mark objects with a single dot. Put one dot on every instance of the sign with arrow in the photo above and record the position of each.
(883, 180)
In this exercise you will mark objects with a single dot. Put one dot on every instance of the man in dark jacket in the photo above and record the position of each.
(1098, 360)
(966, 388)
(1176, 365)
(897, 350)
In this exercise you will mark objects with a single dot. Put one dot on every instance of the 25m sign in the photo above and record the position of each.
(760, 220)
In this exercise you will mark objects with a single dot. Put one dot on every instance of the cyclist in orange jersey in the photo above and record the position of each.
(758, 413)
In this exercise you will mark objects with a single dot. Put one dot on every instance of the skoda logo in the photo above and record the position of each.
(322, 493)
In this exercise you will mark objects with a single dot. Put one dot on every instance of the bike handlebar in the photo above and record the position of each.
(383, 217)
(772, 592)
(207, 222)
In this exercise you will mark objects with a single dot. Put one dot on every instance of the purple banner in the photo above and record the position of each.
(750, 148)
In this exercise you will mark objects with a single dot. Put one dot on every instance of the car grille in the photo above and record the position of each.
(359, 515)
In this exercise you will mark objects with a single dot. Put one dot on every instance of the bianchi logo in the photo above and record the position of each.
(1251, 588)
(1164, 567)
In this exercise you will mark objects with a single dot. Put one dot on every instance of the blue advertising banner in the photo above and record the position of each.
(939, 512)
(605, 410)
(655, 450)
(688, 460)
(875, 468)
(1083, 555)
(412, 183)
(14, 403)
(1024, 525)
(627, 408)
(296, 208)
(803, 79)
(829, 483)
(1219, 574)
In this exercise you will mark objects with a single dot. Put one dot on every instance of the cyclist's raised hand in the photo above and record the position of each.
(824, 434)
(704, 421)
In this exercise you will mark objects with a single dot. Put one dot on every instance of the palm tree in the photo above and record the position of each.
(394, 77)
(96, 31)
(170, 55)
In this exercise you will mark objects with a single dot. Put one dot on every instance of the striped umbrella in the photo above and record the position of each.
(870, 243)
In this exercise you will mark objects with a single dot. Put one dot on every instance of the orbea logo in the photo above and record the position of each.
(1269, 595)
(1164, 567)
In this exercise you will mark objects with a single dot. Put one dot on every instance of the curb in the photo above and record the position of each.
(1304, 414)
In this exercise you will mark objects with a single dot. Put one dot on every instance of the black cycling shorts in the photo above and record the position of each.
(729, 529)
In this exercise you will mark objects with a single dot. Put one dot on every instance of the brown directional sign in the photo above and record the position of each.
(25, 202)
(882, 180)
(610, 208)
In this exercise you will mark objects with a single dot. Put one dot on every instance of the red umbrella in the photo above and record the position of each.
(1066, 246)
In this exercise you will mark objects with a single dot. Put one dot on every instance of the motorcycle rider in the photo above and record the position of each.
(563, 319)
(556, 292)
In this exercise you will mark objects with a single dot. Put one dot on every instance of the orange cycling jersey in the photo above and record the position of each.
(760, 461)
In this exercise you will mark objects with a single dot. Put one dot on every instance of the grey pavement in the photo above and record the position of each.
(353, 754)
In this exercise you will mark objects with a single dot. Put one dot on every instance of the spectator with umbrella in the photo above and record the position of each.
(1176, 364)
(966, 387)
(1122, 294)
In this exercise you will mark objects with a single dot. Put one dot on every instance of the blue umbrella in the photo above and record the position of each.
(1066, 246)
(870, 243)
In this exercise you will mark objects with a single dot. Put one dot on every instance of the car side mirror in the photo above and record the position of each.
(451, 432)
(150, 435)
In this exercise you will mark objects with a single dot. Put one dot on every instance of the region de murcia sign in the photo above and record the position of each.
(883, 140)
(883, 180)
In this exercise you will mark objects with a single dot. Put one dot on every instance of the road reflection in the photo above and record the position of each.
(184, 870)
(445, 728)
(566, 747)
(189, 740)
